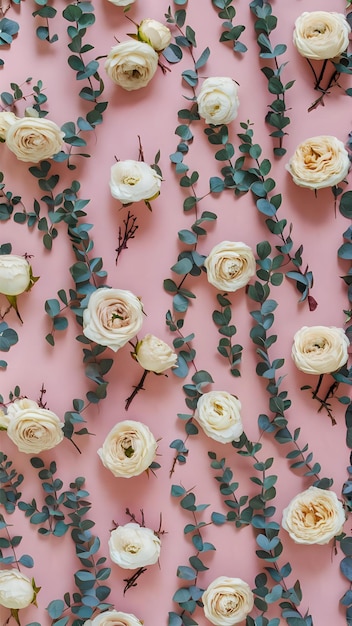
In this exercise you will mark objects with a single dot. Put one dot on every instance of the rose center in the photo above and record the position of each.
(232, 267)
(218, 408)
(130, 180)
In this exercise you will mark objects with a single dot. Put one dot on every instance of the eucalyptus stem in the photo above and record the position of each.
(136, 389)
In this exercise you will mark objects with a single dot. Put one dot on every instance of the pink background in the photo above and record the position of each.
(151, 113)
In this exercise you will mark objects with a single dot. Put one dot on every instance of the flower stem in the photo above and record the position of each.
(136, 390)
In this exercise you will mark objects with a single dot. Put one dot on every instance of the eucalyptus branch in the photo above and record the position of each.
(277, 115)
(188, 597)
(10, 481)
(231, 33)
(231, 352)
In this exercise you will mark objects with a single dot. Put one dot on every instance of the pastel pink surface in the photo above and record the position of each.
(151, 114)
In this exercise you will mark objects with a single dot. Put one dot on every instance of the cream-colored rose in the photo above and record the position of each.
(34, 139)
(132, 546)
(114, 618)
(320, 349)
(131, 181)
(122, 3)
(154, 354)
(112, 317)
(19, 405)
(16, 590)
(321, 34)
(131, 64)
(129, 449)
(218, 100)
(227, 601)
(4, 420)
(34, 429)
(6, 120)
(156, 34)
(314, 516)
(319, 162)
(15, 274)
(219, 415)
(230, 265)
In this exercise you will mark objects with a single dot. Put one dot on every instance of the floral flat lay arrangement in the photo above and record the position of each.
(176, 305)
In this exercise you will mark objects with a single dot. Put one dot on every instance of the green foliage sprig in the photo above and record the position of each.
(259, 514)
(92, 591)
(188, 597)
(279, 402)
(257, 180)
(10, 480)
(8, 30)
(231, 352)
(192, 391)
(11, 98)
(231, 33)
(277, 115)
(47, 12)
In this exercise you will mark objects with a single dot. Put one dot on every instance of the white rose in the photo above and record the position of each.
(227, 601)
(34, 139)
(155, 34)
(314, 516)
(122, 3)
(34, 429)
(321, 34)
(6, 120)
(219, 415)
(218, 101)
(129, 449)
(230, 265)
(131, 181)
(319, 162)
(155, 355)
(132, 546)
(15, 274)
(320, 349)
(16, 590)
(112, 317)
(131, 64)
(14, 408)
(114, 618)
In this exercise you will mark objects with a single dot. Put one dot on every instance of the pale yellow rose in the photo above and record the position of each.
(321, 34)
(7, 118)
(156, 34)
(219, 415)
(131, 64)
(112, 317)
(16, 590)
(129, 449)
(132, 546)
(320, 349)
(230, 265)
(314, 516)
(227, 601)
(319, 162)
(14, 408)
(15, 274)
(34, 429)
(114, 618)
(155, 355)
(34, 139)
(131, 181)
(218, 100)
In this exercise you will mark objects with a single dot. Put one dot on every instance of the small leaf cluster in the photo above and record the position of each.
(181, 343)
(10, 543)
(51, 517)
(192, 391)
(91, 594)
(346, 570)
(9, 99)
(47, 12)
(8, 28)
(277, 114)
(231, 352)
(8, 338)
(10, 480)
(8, 201)
(95, 368)
(188, 597)
(189, 262)
(228, 490)
(230, 32)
